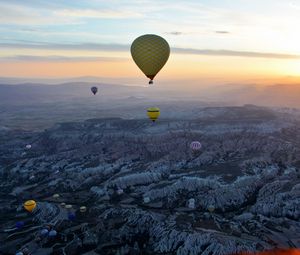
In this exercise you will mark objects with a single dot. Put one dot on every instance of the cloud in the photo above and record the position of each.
(174, 33)
(104, 14)
(235, 53)
(222, 32)
(126, 48)
(31, 58)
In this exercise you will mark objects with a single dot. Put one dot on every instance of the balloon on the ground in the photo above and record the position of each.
(28, 146)
(29, 205)
(195, 146)
(62, 204)
(150, 53)
(153, 113)
(94, 90)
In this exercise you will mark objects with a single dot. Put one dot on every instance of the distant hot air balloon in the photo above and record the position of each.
(28, 146)
(153, 113)
(29, 205)
(150, 53)
(94, 90)
(62, 204)
(195, 146)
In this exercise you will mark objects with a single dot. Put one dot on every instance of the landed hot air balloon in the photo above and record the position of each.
(153, 113)
(195, 146)
(44, 232)
(62, 204)
(28, 146)
(94, 90)
(29, 205)
(150, 53)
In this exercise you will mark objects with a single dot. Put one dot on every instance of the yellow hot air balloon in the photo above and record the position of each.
(150, 53)
(153, 113)
(29, 205)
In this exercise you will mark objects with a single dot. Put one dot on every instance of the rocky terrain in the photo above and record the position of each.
(146, 192)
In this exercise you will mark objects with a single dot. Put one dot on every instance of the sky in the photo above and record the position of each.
(220, 40)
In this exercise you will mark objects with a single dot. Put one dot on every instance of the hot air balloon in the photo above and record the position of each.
(62, 204)
(29, 205)
(195, 146)
(94, 90)
(28, 146)
(150, 53)
(153, 113)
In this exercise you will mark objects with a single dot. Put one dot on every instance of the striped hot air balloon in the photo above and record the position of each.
(150, 53)
(195, 146)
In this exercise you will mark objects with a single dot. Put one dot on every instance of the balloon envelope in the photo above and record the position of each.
(94, 90)
(150, 53)
(28, 146)
(195, 146)
(29, 205)
(153, 113)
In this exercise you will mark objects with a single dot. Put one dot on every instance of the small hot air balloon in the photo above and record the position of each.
(20, 224)
(19, 253)
(153, 113)
(28, 146)
(82, 209)
(150, 53)
(94, 90)
(29, 205)
(62, 204)
(195, 146)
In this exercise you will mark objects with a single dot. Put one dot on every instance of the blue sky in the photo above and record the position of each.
(210, 24)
